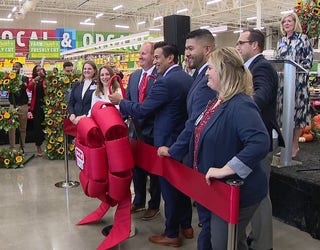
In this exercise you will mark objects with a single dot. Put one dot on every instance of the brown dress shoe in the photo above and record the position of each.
(149, 214)
(187, 232)
(165, 241)
(137, 208)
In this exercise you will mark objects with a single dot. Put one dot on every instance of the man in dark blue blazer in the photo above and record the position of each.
(199, 44)
(265, 82)
(167, 100)
(143, 130)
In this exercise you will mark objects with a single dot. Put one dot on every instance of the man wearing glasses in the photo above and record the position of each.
(265, 82)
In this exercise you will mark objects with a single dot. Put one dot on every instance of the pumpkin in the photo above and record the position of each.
(308, 137)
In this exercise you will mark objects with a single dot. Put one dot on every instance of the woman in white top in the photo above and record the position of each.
(103, 89)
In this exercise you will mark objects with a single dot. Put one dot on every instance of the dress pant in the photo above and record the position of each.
(219, 229)
(139, 184)
(22, 118)
(177, 208)
(261, 222)
(204, 238)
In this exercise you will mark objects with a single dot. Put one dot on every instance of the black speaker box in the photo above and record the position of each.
(176, 28)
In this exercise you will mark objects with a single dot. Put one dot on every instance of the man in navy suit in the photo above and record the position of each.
(265, 82)
(143, 130)
(167, 100)
(199, 44)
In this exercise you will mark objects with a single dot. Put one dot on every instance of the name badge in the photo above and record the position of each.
(199, 119)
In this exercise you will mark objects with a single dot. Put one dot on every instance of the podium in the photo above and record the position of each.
(289, 70)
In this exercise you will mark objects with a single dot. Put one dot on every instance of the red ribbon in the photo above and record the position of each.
(101, 142)
(69, 128)
(220, 198)
(123, 91)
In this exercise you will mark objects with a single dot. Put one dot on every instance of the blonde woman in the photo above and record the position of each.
(296, 46)
(230, 140)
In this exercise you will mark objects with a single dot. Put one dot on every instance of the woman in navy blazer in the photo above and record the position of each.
(81, 93)
(230, 140)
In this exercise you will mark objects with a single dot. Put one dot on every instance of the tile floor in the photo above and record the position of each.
(36, 215)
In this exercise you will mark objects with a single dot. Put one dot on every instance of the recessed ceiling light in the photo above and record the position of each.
(87, 20)
(154, 29)
(49, 21)
(238, 31)
(10, 15)
(122, 26)
(6, 19)
(14, 9)
(252, 18)
(213, 1)
(182, 10)
(142, 22)
(91, 24)
(157, 18)
(118, 7)
(99, 15)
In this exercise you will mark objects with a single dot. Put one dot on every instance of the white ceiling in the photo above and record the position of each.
(226, 12)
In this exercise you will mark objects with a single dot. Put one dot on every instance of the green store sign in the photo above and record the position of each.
(7, 49)
(48, 49)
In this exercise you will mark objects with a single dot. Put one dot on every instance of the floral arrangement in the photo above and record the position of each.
(55, 110)
(11, 158)
(10, 82)
(308, 12)
(8, 118)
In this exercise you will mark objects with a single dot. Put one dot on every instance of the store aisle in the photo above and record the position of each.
(36, 215)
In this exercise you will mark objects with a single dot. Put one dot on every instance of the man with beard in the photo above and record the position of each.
(199, 44)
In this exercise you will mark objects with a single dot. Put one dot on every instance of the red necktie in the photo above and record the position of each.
(143, 87)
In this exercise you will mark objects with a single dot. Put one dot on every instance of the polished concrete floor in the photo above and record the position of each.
(36, 215)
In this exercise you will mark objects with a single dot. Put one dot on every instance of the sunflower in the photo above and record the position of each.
(75, 80)
(6, 161)
(49, 122)
(47, 102)
(6, 82)
(49, 111)
(63, 106)
(49, 131)
(60, 150)
(51, 140)
(0, 81)
(49, 146)
(6, 115)
(19, 159)
(59, 93)
(71, 147)
(66, 80)
(1, 117)
(54, 81)
(60, 139)
(12, 75)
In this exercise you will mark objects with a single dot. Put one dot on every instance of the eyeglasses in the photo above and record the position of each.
(243, 42)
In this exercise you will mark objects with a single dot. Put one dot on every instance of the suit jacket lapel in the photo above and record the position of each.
(197, 80)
